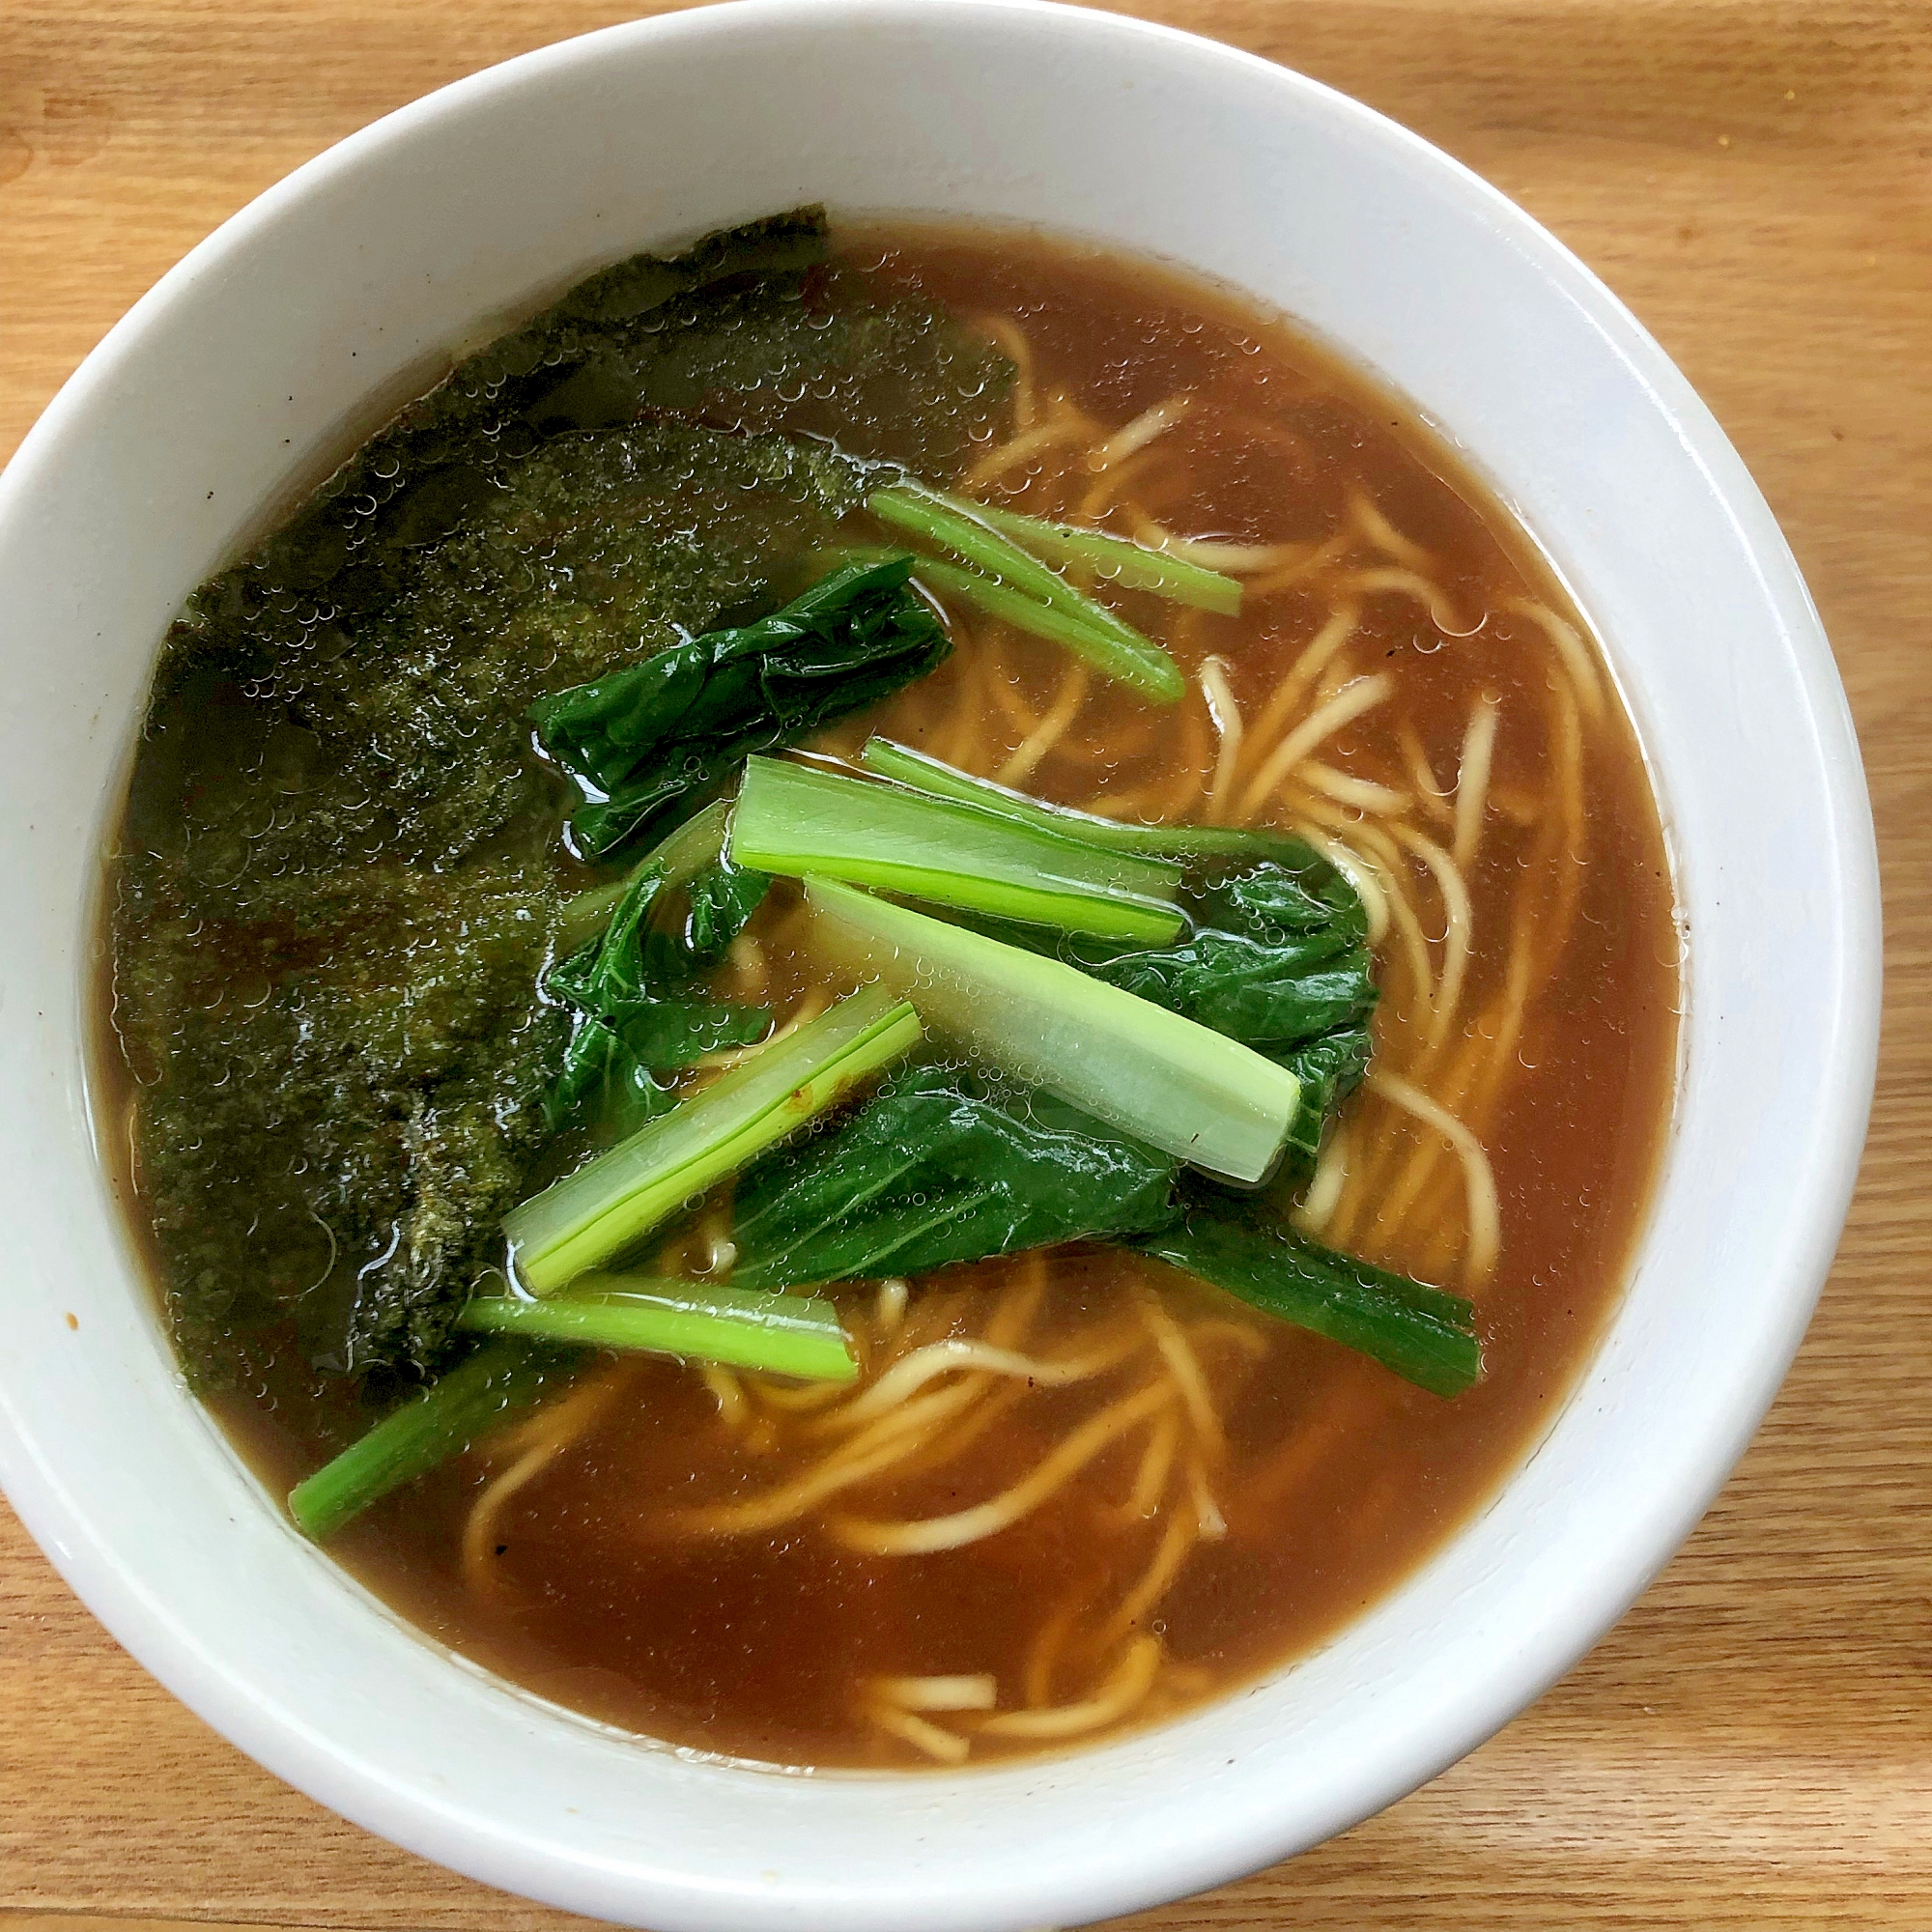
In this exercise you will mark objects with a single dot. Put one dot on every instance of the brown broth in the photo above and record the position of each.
(1337, 1478)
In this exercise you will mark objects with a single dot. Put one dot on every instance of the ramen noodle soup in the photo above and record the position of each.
(725, 1203)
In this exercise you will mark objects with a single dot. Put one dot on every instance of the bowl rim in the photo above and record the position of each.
(145, 1623)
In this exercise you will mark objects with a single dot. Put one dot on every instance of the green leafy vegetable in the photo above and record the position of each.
(1425, 1335)
(797, 819)
(772, 1334)
(955, 525)
(633, 986)
(599, 1210)
(1277, 958)
(1005, 582)
(461, 1406)
(1181, 842)
(644, 740)
(1120, 560)
(944, 1167)
(1136, 1068)
(1331, 1068)
(1279, 955)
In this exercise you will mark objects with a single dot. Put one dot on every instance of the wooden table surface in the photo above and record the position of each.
(1752, 1747)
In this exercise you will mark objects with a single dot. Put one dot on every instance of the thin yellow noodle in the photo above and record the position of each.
(946, 1747)
(554, 1429)
(1227, 718)
(1338, 673)
(894, 1292)
(1400, 913)
(1472, 777)
(1155, 1466)
(1175, 1546)
(1233, 559)
(1520, 807)
(1132, 437)
(1012, 339)
(1212, 1523)
(1183, 628)
(1258, 1504)
(955, 1356)
(1370, 521)
(866, 1454)
(1180, 801)
(1538, 936)
(1584, 677)
(748, 966)
(967, 719)
(1108, 484)
(734, 1407)
(1485, 1216)
(1433, 799)
(1066, 703)
(991, 1403)
(1248, 1340)
(1130, 1682)
(1009, 697)
(927, 1534)
(978, 1692)
(1363, 696)
(1312, 563)
(1065, 425)
(1465, 1085)
(1458, 934)
(1325, 1184)
(807, 1008)
(1019, 1304)
(805, 1399)
(1411, 583)
(1044, 1653)
(1125, 804)
(479, 1527)
(1187, 1372)
(1364, 794)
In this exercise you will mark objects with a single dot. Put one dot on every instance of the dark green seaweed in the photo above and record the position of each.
(339, 893)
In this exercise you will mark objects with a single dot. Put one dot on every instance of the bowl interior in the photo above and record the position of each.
(230, 378)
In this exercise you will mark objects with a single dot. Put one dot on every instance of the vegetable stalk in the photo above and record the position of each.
(921, 772)
(1003, 578)
(772, 1334)
(797, 819)
(592, 1214)
(1133, 566)
(446, 1417)
(1137, 1067)
(1424, 1334)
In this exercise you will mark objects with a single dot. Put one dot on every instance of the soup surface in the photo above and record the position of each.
(1069, 1489)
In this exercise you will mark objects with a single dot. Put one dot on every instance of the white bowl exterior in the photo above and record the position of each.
(228, 379)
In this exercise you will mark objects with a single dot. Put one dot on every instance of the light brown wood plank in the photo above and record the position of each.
(1752, 1747)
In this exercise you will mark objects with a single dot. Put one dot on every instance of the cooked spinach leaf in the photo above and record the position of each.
(1279, 955)
(639, 1010)
(1425, 1335)
(1331, 1068)
(943, 1166)
(643, 741)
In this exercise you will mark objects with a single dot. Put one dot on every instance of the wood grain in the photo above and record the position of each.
(1752, 1747)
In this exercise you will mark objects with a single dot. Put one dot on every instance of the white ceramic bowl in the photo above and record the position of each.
(227, 380)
